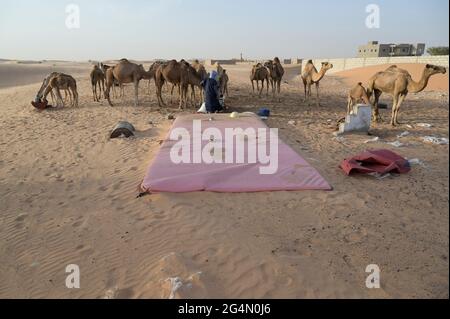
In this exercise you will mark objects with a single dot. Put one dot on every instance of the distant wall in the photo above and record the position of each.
(353, 63)
(224, 62)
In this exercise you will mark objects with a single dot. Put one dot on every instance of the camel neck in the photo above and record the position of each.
(317, 76)
(416, 87)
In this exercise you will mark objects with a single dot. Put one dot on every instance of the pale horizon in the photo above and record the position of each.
(166, 29)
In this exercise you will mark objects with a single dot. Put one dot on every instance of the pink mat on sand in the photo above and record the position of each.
(293, 172)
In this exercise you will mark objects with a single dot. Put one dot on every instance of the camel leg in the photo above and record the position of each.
(94, 91)
(59, 97)
(349, 105)
(181, 93)
(253, 87)
(306, 93)
(136, 93)
(193, 96)
(309, 93)
(376, 112)
(394, 107)
(109, 84)
(171, 93)
(397, 108)
(317, 92)
(267, 93)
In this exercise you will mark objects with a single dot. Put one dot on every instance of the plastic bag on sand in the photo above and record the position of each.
(435, 140)
(202, 109)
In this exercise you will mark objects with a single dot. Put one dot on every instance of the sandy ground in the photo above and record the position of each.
(69, 197)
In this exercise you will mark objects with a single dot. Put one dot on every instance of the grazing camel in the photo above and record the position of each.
(310, 76)
(97, 79)
(398, 83)
(276, 72)
(59, 82)
(126, 72)
(356, 95)
(223, 83)
(259, 73)
(44, 85)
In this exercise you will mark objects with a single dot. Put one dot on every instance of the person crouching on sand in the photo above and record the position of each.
(212, 93)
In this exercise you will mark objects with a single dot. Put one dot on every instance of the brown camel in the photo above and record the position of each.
(357, 94)
(178, 74)
(259, 73)
(398, 84)
(59, 82)
(97, 80)
(152, 72)
(44, 85)
(310, 76)
(201, 72)
(276, 72)
(193, 78)
(126, 72)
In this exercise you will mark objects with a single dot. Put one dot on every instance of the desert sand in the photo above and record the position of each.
(68, 196)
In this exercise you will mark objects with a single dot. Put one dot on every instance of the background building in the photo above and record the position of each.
(374, 49)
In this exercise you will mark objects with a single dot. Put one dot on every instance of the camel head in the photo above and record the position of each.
(276, 60)
(269, 64)
(434, 69)
(326, 66)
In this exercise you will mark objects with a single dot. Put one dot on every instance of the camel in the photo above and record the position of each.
(276, 72)
(59, 82)
(193, 78)
(259, 73)
(180, 74)
(52, 94)
(105, 69)
(310, 76)
(97, 79)
(201, 72)
(356, 95)
(223, 83)
(126, 72)
(398, 83)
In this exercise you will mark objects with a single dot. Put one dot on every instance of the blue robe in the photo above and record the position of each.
(212, 95)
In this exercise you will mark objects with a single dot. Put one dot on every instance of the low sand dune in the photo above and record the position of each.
(15, 74)
(69, 197)
(438, 82)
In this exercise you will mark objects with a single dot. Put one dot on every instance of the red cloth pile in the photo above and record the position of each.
(376, 161)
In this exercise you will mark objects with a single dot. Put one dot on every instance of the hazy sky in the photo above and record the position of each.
(140, 29)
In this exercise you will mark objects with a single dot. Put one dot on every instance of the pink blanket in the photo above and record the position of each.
(164, 175)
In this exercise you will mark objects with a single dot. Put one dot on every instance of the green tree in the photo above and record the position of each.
(438, 51)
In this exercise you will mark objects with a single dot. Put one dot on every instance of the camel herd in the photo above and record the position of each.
(184, 75)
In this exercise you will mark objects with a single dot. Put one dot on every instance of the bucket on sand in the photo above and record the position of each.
(123, 129)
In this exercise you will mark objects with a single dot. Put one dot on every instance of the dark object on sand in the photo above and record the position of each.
(123, 129)
(376, 161)
(41, 105)
(382, 106)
